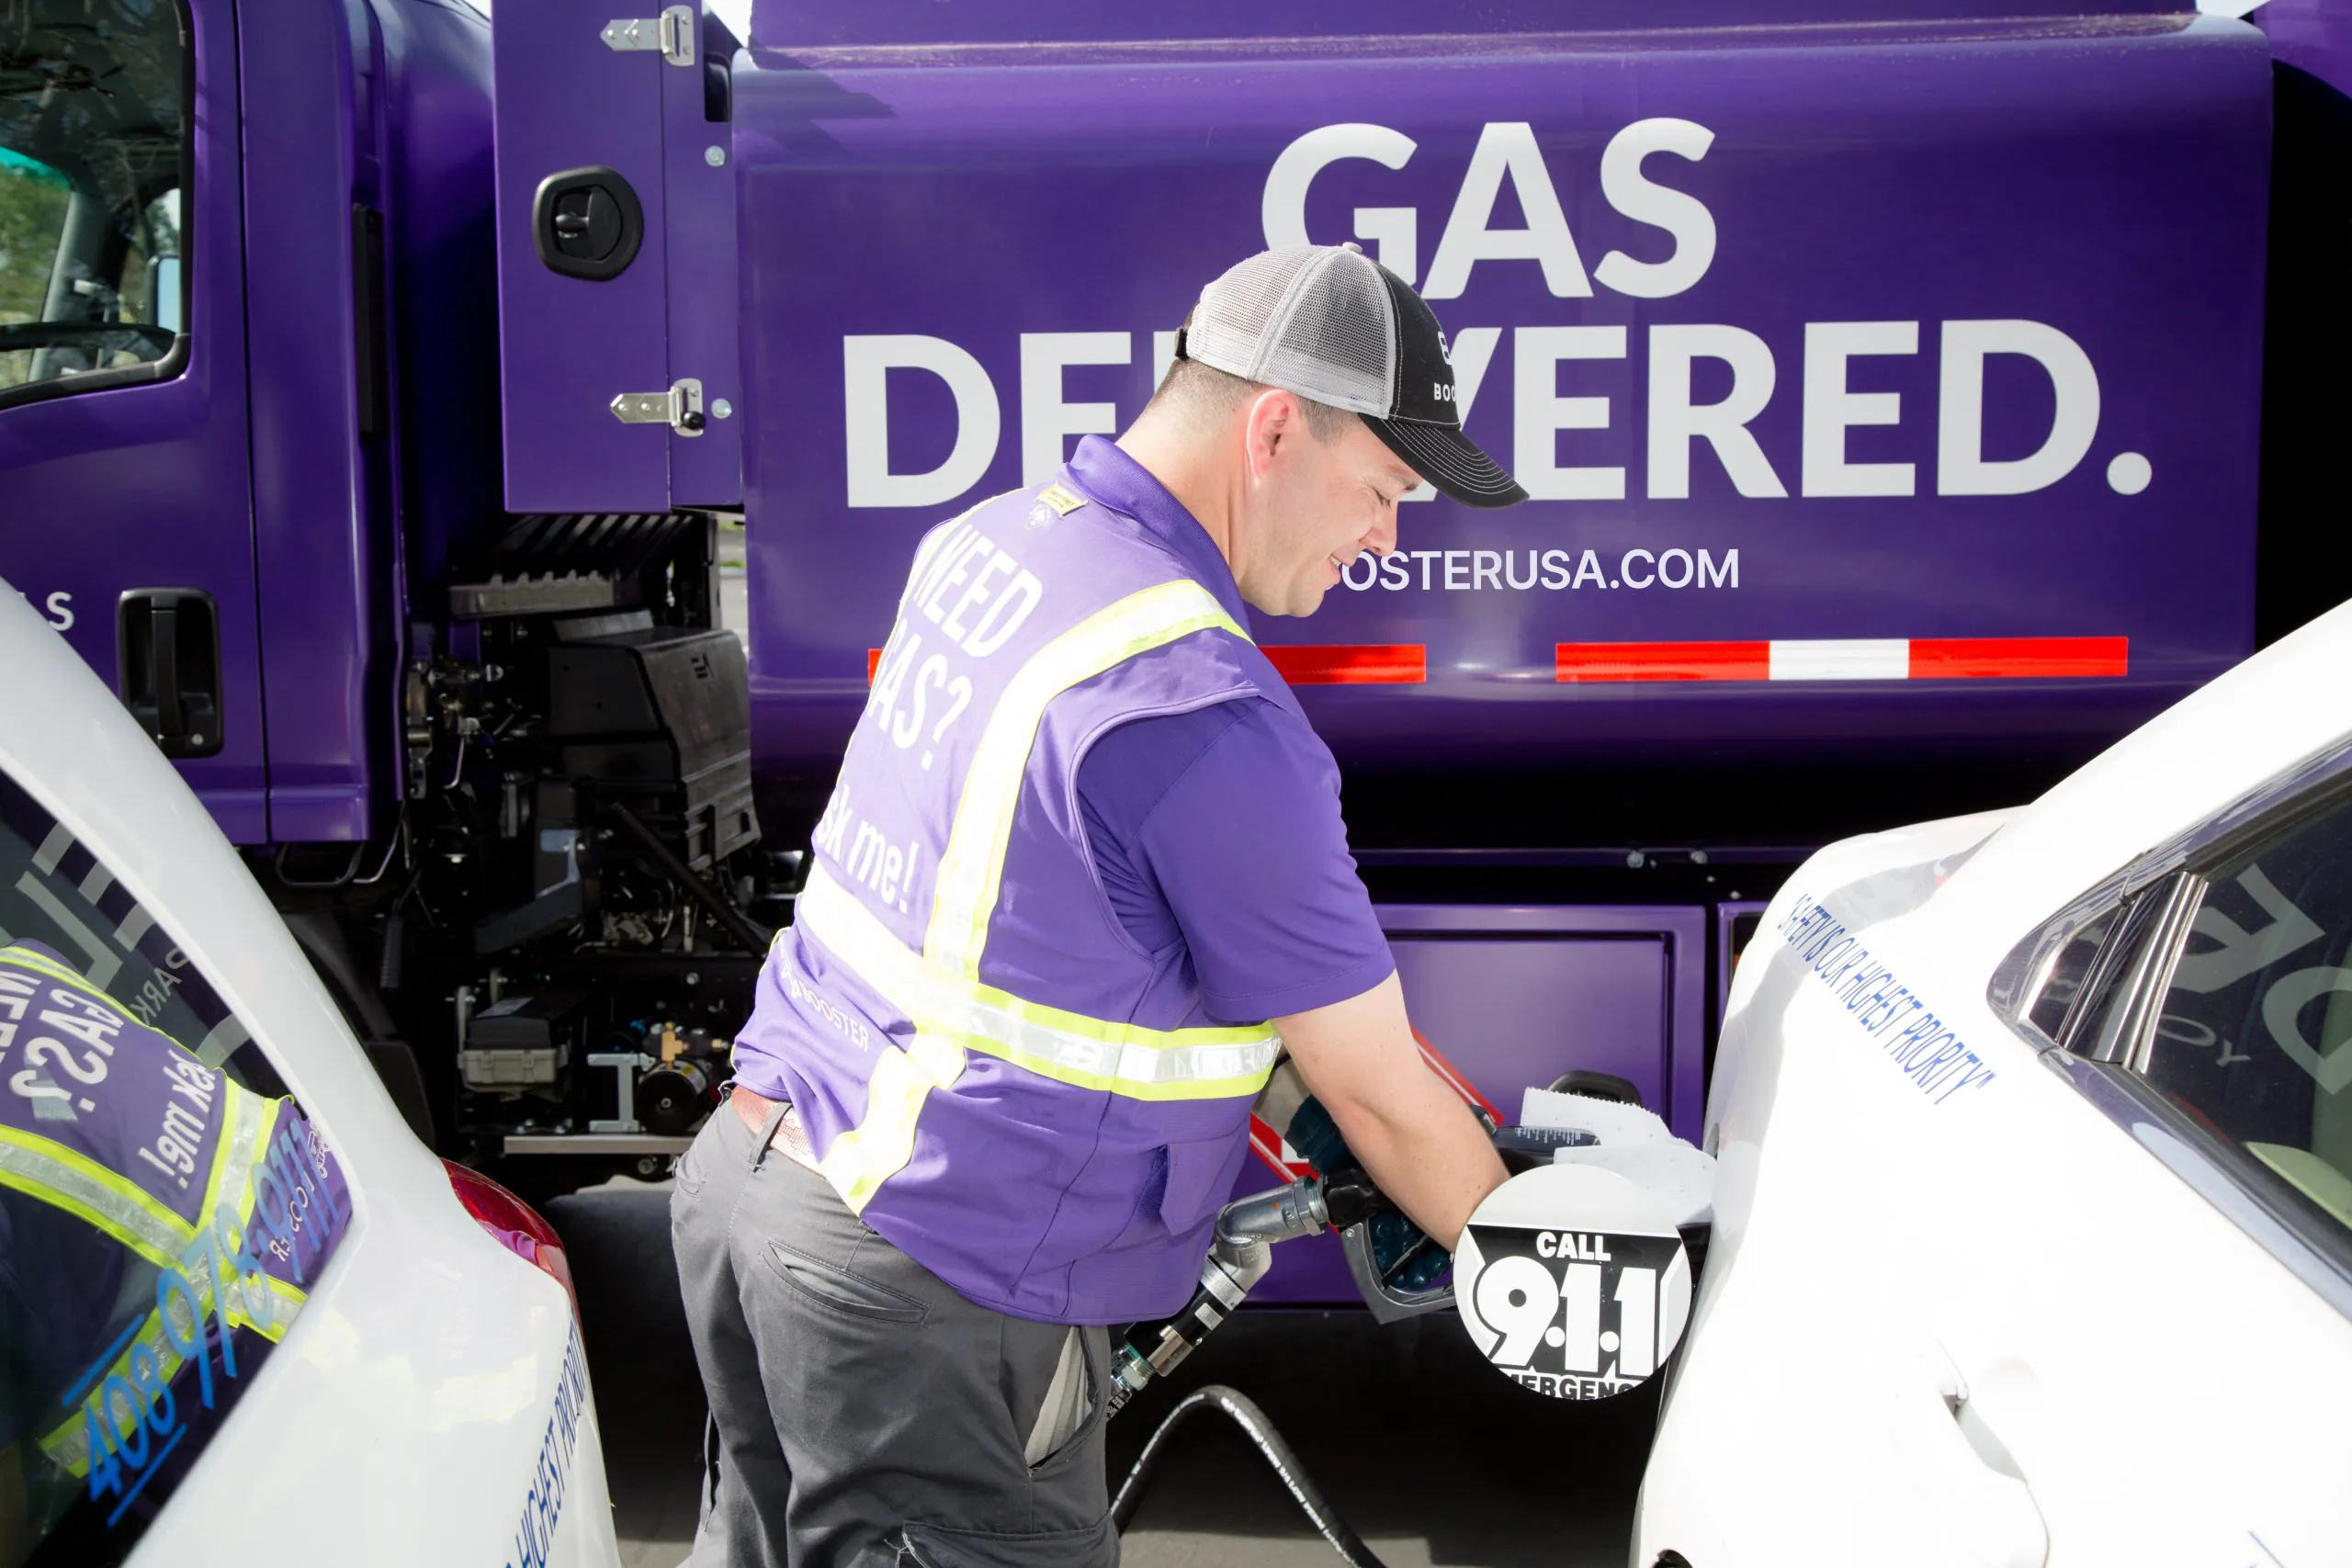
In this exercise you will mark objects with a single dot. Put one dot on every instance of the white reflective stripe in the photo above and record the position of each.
(1841, 658)
(973, 863)
(878, 1147)
(232, 1177)
(66, 1180)
(1120, 1058)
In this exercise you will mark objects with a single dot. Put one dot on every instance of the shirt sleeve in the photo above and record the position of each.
(1223, 827)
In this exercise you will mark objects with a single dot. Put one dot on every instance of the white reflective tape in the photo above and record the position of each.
(1119, 1059)
(77, 1184)
(248, 1115)
(1850, 658)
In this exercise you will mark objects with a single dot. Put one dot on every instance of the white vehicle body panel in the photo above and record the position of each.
(405, 1419)
(1963, 1319)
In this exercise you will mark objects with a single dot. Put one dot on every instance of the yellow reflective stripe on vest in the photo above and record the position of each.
(68, 1179)
(67, 1444)
(236, 1156)
(1088, 1053)
(878, 1147)
(26, 958)
(972, 866)
(242, 1151)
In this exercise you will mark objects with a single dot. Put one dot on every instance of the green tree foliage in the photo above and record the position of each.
(32, 214)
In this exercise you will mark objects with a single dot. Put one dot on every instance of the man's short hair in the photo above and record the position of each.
(1206, 395)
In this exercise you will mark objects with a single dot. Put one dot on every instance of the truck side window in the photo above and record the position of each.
(93, 144)
(2253, 1039)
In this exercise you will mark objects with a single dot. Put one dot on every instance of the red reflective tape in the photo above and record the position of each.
(1336, 664)
(1352, 664)
(1664, 661)
(1268, 1145)
(1958, 658)
(1435, 1060)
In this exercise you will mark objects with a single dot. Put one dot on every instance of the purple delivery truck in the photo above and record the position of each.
(1915, 395)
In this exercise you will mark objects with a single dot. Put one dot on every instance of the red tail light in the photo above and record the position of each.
(514, 1223)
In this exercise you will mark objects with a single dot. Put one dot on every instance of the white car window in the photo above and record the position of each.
(163, 1211)
(2252, 1038)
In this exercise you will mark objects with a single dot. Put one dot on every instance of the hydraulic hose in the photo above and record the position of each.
(1277, 1453)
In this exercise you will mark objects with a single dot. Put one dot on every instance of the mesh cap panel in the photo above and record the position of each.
(1308, 318)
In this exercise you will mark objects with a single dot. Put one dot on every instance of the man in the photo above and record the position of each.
(1084, 846)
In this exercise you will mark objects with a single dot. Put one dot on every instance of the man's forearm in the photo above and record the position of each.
(1413, 1134)
(1428, 1152)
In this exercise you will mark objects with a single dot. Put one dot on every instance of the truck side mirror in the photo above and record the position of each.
(163, 303)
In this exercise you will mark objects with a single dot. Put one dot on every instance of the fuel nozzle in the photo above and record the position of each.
(1247, 1229)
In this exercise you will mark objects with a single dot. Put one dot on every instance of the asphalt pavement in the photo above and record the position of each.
(1432, 1457)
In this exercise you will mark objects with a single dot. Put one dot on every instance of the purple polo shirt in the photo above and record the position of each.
(1216, 831)
(1220, 829)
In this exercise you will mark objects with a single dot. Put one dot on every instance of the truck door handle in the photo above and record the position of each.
(167, 645)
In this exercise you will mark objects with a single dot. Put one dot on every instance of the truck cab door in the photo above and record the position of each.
(617, 265)
(125, 494)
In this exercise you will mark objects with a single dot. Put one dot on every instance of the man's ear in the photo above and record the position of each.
(1271, 418)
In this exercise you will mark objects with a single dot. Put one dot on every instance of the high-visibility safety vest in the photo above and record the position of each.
(993, 1076)
(225, 1199)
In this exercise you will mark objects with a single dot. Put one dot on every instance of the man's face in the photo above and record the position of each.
(1315, 507)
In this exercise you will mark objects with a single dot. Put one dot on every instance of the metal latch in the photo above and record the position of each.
(671, 32)
(680, 408)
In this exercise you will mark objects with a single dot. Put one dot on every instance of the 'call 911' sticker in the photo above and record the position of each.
(1572, 1282)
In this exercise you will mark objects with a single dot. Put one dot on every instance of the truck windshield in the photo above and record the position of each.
(93, 134)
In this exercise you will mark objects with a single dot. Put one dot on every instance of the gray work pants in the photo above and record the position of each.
(866, 1415)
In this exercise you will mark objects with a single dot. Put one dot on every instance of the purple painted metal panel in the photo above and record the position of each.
(147, 486)
(439, 188)
(1516, 996)
(706, 469)
(568, 345)
(805, 24)
(2314, 35)
(313, 75)
(1727, 948)
(2103, 179)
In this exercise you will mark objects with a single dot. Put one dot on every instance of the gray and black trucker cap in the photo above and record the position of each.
(1329, 322)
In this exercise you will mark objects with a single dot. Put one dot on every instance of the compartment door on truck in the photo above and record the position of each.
(617, 257)
(126, 511)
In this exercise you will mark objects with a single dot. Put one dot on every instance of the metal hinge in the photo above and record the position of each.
(671, 32)
(680, 408)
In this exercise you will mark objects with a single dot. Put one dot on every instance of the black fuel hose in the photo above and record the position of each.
(1277, 1453)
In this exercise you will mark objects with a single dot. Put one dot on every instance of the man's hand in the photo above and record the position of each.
(1413, 1134)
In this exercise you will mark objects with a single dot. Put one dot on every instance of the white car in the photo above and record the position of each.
(2033, 1222)
(429, 1403)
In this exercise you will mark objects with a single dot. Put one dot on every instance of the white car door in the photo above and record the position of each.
(2148, 1303)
